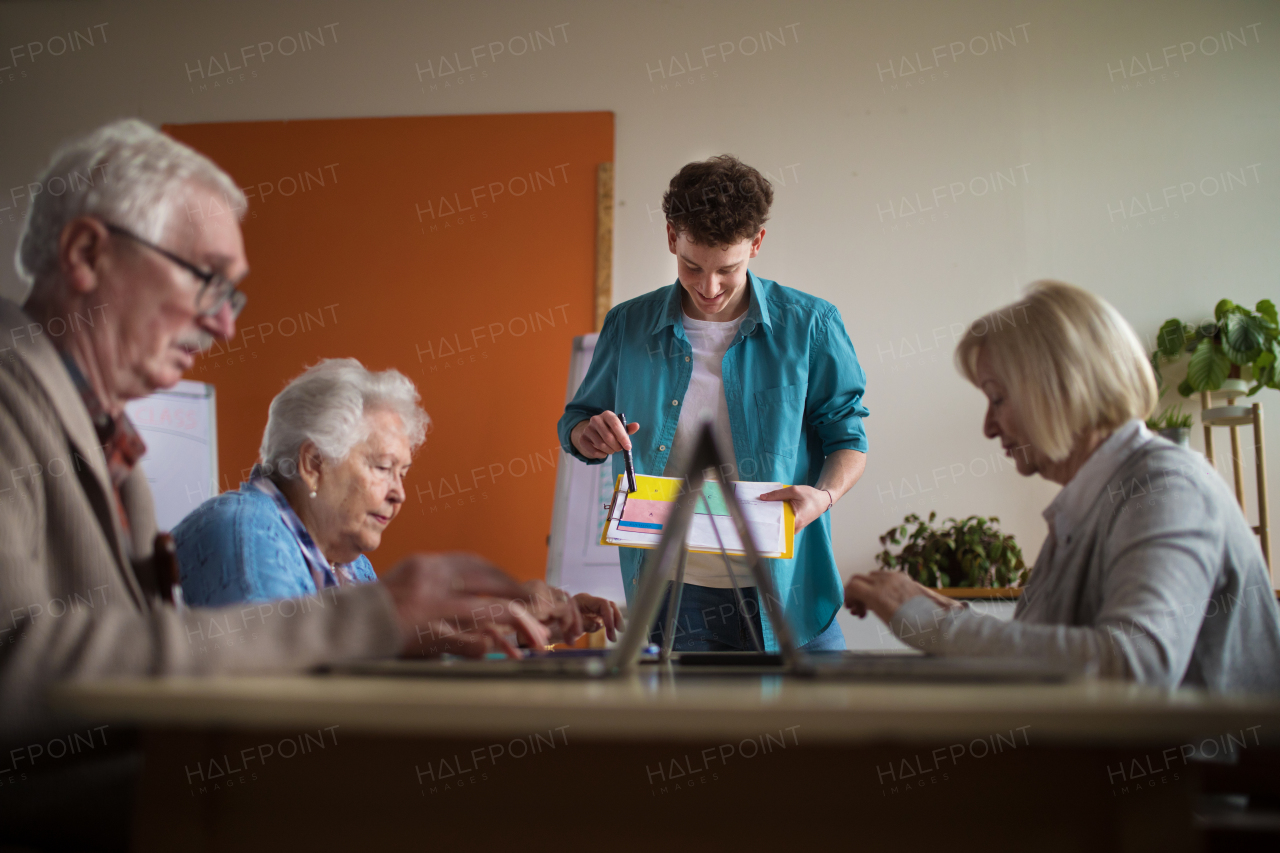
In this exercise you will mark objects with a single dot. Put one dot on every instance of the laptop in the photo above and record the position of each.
(663, 576)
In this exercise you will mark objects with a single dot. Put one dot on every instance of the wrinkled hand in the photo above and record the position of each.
(599, 613)
(602, 435)
(883, 592)
(807, 502)
(454, 602)
(554, 609)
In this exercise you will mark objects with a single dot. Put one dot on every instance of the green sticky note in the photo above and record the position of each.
(715, 498)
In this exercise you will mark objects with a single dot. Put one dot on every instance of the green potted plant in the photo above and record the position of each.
(1173, 424)
(968, 554)
(1220, 350)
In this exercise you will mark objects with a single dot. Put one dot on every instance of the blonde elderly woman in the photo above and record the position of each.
(1150, 572)
(338, 444)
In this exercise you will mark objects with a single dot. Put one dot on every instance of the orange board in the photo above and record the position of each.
(457, 249)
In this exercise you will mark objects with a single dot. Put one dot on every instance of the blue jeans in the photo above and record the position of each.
(711, 621)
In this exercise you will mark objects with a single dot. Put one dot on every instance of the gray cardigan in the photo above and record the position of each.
(1150, 573)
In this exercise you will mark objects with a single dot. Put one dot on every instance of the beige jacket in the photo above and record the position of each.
(77, 597)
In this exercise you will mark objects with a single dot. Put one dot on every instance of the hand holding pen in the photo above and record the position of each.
(630, 464)
(602, 435)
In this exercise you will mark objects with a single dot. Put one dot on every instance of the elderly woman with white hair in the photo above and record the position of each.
(1150, 572)
(338, 444)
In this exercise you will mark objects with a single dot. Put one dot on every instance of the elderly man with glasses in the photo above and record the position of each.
(125, 290)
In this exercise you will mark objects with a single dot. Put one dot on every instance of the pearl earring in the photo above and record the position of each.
(313, 493)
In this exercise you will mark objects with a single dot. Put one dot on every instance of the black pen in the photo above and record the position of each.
(626, 455)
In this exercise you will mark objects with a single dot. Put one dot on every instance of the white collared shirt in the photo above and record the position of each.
(1072, 504)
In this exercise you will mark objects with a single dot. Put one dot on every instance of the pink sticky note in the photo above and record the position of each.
(645, 516)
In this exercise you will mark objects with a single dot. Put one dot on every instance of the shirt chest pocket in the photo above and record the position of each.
(779, 419)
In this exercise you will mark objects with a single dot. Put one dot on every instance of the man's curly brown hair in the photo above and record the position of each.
(718, 202)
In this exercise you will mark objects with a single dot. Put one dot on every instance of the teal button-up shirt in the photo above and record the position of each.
(794, 390)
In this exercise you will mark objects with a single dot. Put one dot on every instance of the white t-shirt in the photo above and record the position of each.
(705, 398)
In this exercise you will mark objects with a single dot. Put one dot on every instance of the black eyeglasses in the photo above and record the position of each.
(215, 288)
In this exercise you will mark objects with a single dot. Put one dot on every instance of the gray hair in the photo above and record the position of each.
(1070, 362)
(327, 405)
(125, 172)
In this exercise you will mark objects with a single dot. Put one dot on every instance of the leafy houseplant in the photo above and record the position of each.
(1171, 418)
(1173, 424)
(1236, 338)
(970, 553)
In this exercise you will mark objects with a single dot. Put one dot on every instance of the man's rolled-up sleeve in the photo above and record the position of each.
(836, 388)
(598, 390)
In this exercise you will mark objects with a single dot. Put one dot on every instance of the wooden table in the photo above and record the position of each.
(660, 760)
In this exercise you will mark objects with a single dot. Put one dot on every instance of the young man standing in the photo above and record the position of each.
(774, 371)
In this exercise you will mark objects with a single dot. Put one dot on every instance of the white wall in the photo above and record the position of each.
(826, 112)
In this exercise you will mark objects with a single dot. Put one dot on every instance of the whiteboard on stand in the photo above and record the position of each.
(576, 561)
(180, 428)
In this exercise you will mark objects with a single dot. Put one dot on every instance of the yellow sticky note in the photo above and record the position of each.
(653, 488)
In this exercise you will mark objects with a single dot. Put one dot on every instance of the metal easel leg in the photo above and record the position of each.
(793, 658)
(733, 579)
(673, 604)
(624, 659)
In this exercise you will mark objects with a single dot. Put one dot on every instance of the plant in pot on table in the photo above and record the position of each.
(969, 554)
(1173, 424)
